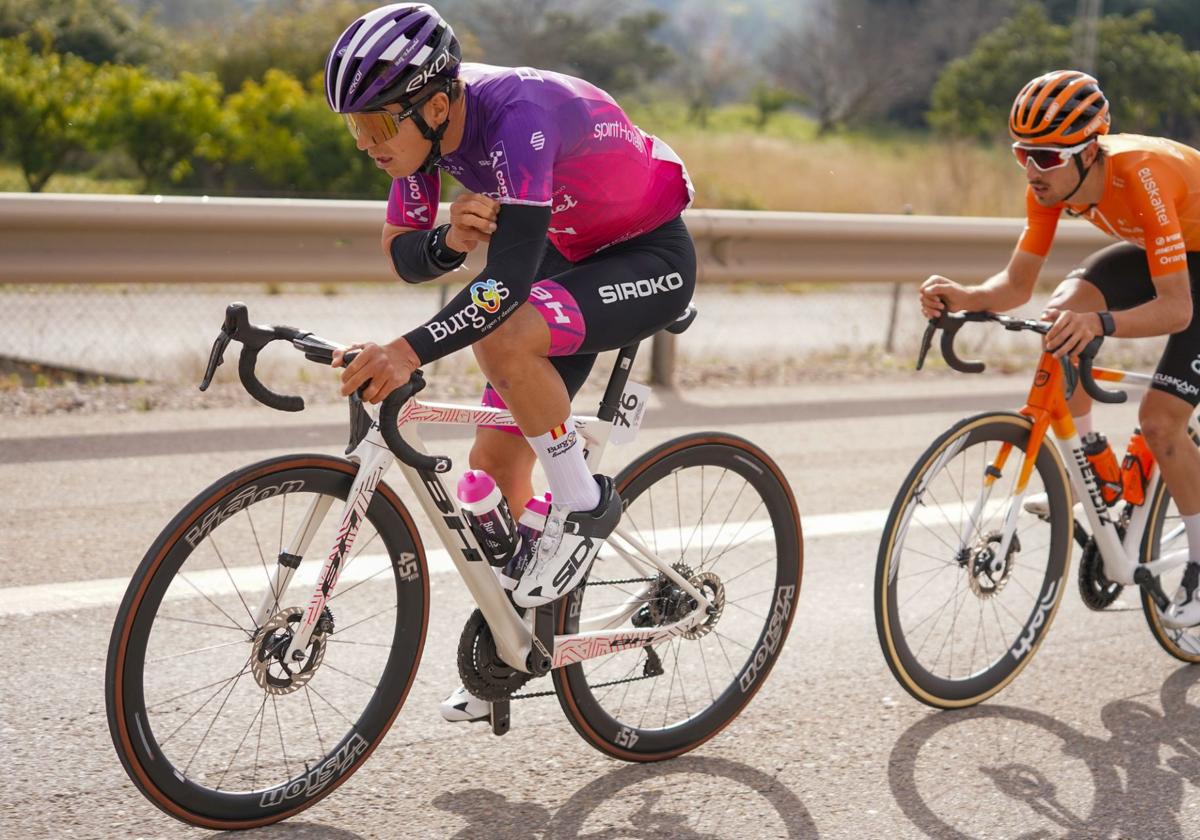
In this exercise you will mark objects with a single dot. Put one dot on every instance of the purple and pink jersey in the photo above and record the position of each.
(544, 139)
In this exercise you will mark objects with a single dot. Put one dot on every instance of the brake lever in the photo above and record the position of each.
(216, 358)
(926, 342)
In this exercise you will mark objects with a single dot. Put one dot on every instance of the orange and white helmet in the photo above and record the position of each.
(1059, 108)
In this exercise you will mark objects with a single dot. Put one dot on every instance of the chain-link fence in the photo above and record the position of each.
(164, 332)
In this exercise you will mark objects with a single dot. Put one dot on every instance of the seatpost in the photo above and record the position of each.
(616, 383)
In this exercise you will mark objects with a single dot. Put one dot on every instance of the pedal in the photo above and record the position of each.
(500, 717)
(1150, 585)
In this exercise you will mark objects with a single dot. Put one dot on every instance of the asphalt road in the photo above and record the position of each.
(1098, 738)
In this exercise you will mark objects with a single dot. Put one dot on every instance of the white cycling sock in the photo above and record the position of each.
(1083, 423)
(560, 453)
(1192, 524)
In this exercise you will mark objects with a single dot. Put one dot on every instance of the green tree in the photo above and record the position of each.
(98, 31)
(162, 124)
(46, 108)
(294, 36)
(617, 54)
(1170, 16)
(283, 137)
(974, 94)
(769, 101)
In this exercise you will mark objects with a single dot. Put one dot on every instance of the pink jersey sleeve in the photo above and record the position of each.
(413, 201)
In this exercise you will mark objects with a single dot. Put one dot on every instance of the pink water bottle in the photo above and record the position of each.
(487, 513)
(529, 528)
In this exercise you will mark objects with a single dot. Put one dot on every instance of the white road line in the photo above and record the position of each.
(108, 592)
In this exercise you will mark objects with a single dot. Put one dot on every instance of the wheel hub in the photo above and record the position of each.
(267, 663)
(987, 571)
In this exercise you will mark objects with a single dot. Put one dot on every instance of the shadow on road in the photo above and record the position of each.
(291, 831)
(1138, 773)
(643, 801)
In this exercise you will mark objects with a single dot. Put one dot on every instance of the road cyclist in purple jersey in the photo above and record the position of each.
(586, 251)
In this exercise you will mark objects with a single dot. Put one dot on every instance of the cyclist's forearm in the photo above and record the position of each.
(997, 294)
(422, 255)
(513, 255)
(1161, 316)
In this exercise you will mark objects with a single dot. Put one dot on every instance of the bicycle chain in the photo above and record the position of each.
(650, 653)
(530, 695)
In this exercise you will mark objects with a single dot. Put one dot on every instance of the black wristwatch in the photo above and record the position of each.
(1107, 324)
(442, 254)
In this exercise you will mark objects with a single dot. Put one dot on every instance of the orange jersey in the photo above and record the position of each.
(1151, 198)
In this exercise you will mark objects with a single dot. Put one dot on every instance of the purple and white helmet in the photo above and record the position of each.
(389, 55)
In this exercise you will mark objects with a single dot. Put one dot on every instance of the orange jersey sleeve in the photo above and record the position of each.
(1040, 224)
(1154, 193)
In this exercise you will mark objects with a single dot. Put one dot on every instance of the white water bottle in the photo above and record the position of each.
(487, 513)
(529, 528)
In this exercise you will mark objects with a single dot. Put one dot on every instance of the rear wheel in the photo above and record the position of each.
(206, 720)
(1165, 534)
(720, 511)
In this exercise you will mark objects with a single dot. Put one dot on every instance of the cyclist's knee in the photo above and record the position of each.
(1162, 427)
(1076, 294)
(506, 458)
(513, 343)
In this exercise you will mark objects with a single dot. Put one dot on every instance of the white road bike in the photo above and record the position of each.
(265, 646)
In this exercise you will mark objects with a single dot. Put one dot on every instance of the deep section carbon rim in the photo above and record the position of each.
(960, 607)
(720, 513)
(1165, 534)
(208, 723)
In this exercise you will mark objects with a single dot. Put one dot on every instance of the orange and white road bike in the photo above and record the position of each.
(973, 564)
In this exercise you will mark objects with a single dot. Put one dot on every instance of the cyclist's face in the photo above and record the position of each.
(1051, 186)
(402, 154)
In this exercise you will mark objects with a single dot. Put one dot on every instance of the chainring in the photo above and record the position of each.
(1095, 590)
(483, 672)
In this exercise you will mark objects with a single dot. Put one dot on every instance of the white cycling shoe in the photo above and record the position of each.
(1185, 605)
(1039, 505)
(567, 547)
(464, 707)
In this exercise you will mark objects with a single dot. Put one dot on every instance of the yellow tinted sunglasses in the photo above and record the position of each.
(373, 127)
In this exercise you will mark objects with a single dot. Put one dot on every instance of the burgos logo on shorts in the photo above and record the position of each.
(642, 288)
(485, 300)
(486, 296)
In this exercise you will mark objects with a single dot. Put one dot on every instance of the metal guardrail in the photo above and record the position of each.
(130, 239)
(89, 239)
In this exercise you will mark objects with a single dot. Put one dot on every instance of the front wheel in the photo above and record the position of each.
(967, 581)
(721, 513)
(208, 721)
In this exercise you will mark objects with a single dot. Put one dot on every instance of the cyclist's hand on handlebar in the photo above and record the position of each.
(939, 294)
(472, 220)
(1071, 331)
(384, 367)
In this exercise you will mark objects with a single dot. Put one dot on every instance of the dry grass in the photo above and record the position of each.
(848, 174)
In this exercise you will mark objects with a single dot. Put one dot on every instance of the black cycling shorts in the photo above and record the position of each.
(1122, 275)
(620, 295)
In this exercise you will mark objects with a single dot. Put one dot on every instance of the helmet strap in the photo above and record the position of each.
(1083, 171)
(433, 135)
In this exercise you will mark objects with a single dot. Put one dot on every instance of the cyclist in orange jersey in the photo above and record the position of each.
(1144, 191)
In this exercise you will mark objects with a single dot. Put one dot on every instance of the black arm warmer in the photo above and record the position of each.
(513, 258)
(413, 255)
